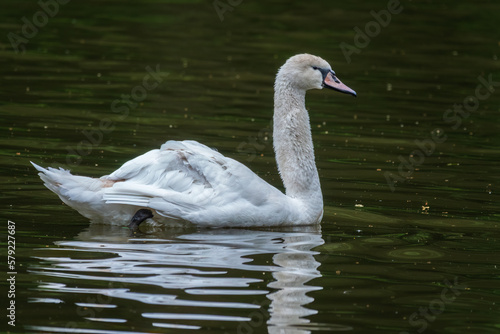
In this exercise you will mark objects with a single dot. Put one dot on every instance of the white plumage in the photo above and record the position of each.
(187, 181)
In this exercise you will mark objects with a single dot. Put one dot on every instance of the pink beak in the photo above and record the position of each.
(331, 81)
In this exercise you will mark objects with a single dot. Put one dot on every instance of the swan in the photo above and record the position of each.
(186, 181)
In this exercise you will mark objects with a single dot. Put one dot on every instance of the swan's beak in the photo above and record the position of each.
(332, 82)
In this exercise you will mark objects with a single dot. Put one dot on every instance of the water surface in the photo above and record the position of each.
(419, 255)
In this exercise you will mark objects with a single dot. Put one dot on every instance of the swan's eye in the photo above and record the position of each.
(315, 68)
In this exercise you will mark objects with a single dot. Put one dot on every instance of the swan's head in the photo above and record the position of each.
(305, 71)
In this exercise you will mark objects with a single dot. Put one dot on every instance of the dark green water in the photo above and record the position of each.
(410, 169)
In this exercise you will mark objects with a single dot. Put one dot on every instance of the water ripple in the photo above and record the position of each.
(183, 278)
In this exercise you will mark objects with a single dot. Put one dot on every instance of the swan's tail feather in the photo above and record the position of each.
(70, 187)
(85, 194)
(51, 177)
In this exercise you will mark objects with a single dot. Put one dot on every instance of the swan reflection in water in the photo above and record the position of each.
(182, 269)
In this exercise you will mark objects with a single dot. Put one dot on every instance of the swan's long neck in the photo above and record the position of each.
(293, 145)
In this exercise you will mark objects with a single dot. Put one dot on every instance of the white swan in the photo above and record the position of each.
(187, 181)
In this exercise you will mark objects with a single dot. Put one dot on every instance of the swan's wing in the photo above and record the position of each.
(161, 166)
(181, 178)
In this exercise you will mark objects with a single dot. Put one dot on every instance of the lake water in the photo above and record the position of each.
(410, 169)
